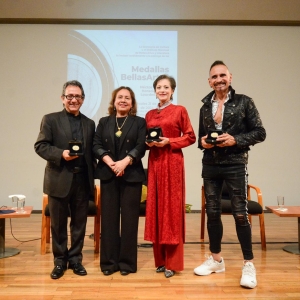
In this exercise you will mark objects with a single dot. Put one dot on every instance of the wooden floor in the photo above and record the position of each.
(26, 276)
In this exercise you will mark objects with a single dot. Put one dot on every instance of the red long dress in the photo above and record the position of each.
(165, 213)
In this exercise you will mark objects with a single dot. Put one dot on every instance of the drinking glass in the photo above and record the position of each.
(280, 202)
(14, 202)
(21, 204)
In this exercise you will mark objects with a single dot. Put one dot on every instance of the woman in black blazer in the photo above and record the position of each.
(119, 145)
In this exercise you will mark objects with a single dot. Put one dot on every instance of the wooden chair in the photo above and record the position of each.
(93, 211)
(255, 208)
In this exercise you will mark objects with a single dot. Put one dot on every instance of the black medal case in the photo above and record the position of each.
(75, 148)
(153, 134)
(212, 136)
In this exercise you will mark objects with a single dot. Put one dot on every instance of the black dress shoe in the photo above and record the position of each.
(57, 272)
(124, 273)
(169, 273)
(160, 269)
(78, 269)
(107, 272)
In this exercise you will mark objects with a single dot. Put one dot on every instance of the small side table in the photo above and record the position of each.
(7, 252)
(292, 211)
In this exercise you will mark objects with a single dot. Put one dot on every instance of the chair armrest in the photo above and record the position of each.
(258, 194)
(97, 196)
(45, 202)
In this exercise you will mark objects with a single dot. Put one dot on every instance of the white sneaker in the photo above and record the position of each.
(248, 279)
(210, 266)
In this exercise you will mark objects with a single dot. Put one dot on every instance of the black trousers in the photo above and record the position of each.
(120, 207)
(76, 204)
(236, 178)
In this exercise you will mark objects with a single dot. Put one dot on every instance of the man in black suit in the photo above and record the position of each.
(68, 179)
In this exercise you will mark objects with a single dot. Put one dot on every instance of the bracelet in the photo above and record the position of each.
(131, 159)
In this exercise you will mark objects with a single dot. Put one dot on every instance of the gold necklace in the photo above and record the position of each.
(119, 132)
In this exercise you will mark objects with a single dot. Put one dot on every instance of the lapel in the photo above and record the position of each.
(207, 114)
(111, 126)
(65, 125)
(84, 129)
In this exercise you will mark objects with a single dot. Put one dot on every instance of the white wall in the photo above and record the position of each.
(264, 62)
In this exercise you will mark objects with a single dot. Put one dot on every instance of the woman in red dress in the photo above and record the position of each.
(165, 213)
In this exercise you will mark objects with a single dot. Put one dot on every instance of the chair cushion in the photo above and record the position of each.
(254, 207)
(92, 210)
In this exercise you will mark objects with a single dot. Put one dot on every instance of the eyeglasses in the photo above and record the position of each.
(77, 97)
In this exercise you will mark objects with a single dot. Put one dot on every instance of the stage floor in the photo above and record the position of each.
(26, 275)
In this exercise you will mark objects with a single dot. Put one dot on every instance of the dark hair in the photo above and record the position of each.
(164, 76)
(216, 63)
(73, 83)
(111, 107)
(171, 80)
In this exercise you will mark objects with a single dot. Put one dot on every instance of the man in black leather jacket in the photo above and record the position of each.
(229, 124)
